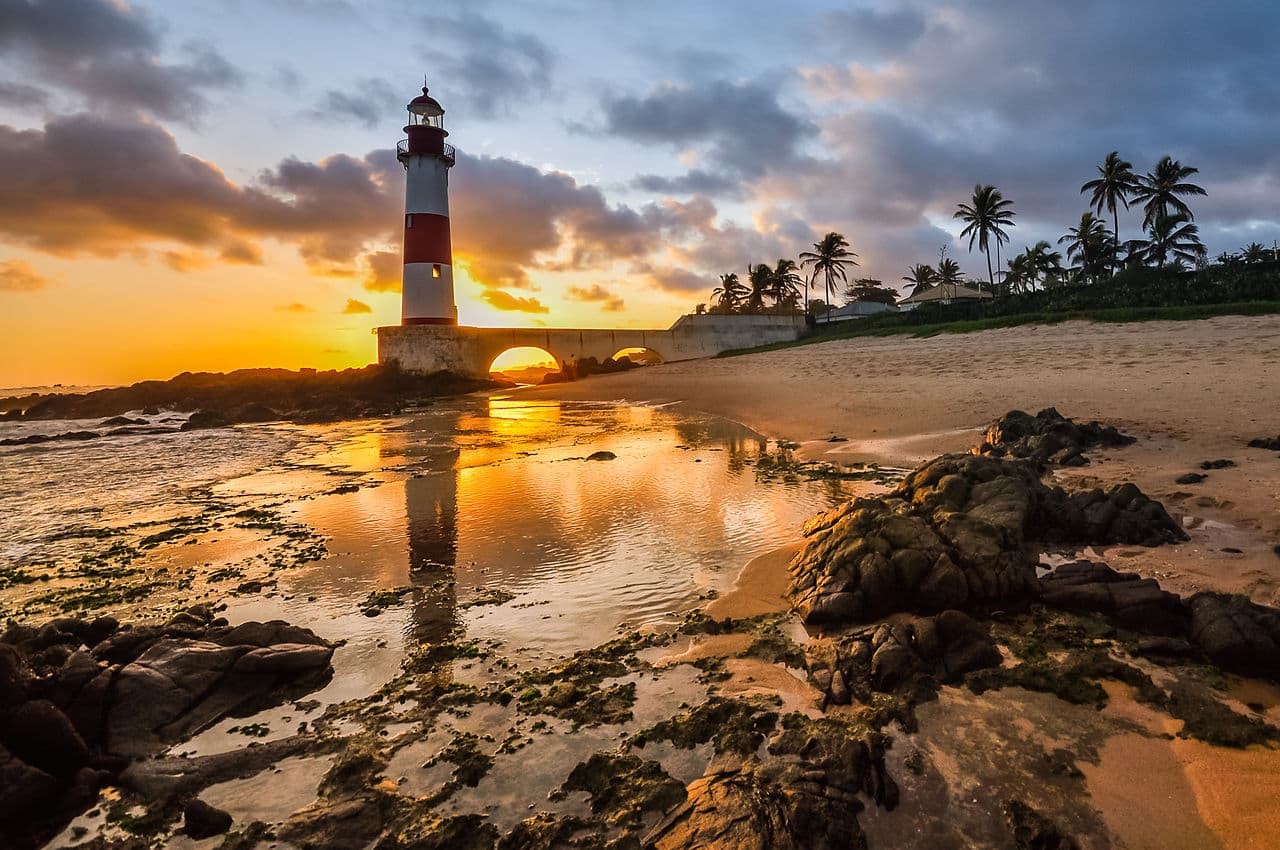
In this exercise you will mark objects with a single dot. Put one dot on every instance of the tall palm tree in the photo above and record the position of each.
(829, 258)
(1173, 238)
(1159, 190)
(921, 276)
(784, 283)
(1090, 244)
(1115, 183)
(1043, 261)
(759, 286)
(986, 216)
(729, 294)
(1021, 276)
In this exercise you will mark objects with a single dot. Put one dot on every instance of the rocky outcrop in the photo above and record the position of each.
(956, 534)
(1237, 634)
(806, 795)
(1126, 599)
(1269, 443)
(1047, 438)
(80, 698)
(893, 654)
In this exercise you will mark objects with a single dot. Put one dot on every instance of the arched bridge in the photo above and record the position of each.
(471, 351)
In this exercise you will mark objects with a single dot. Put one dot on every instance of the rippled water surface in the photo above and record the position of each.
(496, 493)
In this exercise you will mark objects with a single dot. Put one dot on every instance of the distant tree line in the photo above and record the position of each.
(1169, 242)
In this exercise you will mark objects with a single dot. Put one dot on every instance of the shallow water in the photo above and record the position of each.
(461, 501)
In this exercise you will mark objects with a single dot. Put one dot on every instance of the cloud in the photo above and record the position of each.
(22, 96)
(609, 302)
(506, 301)
(493, 69)
(741, 128)
(353, 307)
(109, 54)
(384, 271)
(294, 307)
(368, 103)
(19, 276)
(870, 32)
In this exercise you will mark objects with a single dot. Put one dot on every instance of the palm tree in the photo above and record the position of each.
(1021, 276)
(1159, 190)
(949, 274)
(729, 293)
(1254, 252)
(921, 276)
(1111, 189)
(784, 283)
(760, 286)
(986, 216)
(1173, 238)
(1043, 262)
(829, 258)
(1090, 244)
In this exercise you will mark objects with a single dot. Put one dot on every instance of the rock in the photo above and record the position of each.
(940, 649)
(956, 533)
(1127, 599)
(1217, 464)
(201, 820)
(254, 412)
(1270, 443)
(1047, 438)
(1032, 830)
(1237, 634)
(805, 796)
(121, 420)
(41, 735)
(24, 789)
(602, 455)
(203, 419)
(349, 824)
(1190, 478)
(75, 436)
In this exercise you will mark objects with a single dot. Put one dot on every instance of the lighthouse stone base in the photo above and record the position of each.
(471, 351)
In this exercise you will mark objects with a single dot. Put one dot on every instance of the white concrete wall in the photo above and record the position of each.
(470, 351)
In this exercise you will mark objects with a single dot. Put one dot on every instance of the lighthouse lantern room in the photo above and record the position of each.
(427, 285)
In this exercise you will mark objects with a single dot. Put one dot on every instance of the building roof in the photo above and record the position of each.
(945, 292)
(859, 308)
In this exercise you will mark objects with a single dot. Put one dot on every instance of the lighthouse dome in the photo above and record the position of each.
(425, 109)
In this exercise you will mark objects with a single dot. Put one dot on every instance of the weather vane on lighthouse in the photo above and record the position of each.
(427, 285)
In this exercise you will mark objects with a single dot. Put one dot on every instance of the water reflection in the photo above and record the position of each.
(502, 497)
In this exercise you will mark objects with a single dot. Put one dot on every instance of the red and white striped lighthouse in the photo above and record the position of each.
(427, 293)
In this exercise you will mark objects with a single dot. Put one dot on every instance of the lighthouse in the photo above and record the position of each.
(427, 285)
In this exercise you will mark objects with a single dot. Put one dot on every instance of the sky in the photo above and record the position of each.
(212, 184)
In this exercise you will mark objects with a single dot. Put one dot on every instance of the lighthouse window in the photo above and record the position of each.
(435, 270)
(408, 220)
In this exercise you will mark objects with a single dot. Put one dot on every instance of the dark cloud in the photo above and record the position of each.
(19, 276)
(501, 300)
(489, 69)
(22, 96)
(353, 307)
(109, 54)
(609, 302)
(368, 102)
(868, 32)
(740, 128)
(294, 307)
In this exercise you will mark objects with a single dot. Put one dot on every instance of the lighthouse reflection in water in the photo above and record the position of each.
(489, 512)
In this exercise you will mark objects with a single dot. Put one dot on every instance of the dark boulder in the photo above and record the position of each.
(201, 820)
(1270, 443)
(1190, 478)
(1127, 599)
(1047, 438)
(41, 735)
(203, 419)
(957, 533)
(1237, 634)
